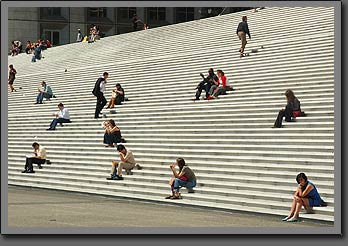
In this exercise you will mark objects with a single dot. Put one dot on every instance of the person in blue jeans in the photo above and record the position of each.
(62, 116)
(184, 178)
(44, 92)
(307, 196)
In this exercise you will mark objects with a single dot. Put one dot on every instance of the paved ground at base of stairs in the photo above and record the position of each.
(31, 207)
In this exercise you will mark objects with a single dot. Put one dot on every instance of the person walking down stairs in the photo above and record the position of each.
(98, 91)
(242, 31)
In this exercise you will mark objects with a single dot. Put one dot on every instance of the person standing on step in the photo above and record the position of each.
(135, 21)
(206, 83)
(98, 91)
(44, 92)
(62, 116)
(242, 31)
(292, 109)
(38, 157)
(307, 196)
(79, 35)
(127, 162)
(184, 178)
(11, 77)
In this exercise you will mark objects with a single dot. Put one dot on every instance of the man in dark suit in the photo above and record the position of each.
(98, 91)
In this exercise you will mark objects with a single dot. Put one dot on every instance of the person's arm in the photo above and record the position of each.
(119, 92)
(126, 157)
(176, 175)
(114, 129)
(307, 190)
(247, 30)
(39, 154)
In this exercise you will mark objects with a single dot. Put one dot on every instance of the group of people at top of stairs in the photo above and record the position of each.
(31, 48)
(94, 34)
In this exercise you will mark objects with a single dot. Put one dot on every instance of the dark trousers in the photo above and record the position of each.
(101, 102)
(287, 113)
(110, 138)
(58, 120)
(119, 100)
(204, 85)
(29, 163)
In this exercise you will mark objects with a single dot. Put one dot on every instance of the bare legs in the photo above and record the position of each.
(296, 206)
(111, 103)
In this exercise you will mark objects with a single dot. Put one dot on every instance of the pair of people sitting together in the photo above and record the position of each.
(213, 85)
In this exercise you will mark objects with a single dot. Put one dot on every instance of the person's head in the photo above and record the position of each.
(11, 66)
(245, 18)
(220, 73)
(112, 123)
(181, 163)
(106, 75)
(35, 145)
(301, 179)
(289, 94)
(60, 106)
(43, 83)
(118, 85)
(211, 71)
(121, 148)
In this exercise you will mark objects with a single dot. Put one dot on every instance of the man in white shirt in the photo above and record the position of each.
(62, 116)
(38, 157)
(98, 91)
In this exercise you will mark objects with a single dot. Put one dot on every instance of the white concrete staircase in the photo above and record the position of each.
(240, 162)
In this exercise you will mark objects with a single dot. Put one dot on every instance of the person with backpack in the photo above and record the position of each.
(44, 92)
(98, 91)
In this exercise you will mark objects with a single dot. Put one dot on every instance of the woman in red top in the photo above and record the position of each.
(222, 86)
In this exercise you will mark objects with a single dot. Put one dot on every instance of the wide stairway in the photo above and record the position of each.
(241, 163)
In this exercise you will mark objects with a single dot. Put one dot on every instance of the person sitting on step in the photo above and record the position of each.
(112, 134)
(205, 84)
(292, 109)
(117, 96)
(224, 86)
(38, 157)
(307, 196)
(184, 178)
(127, 162)
(62, 116)
(44, 92)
